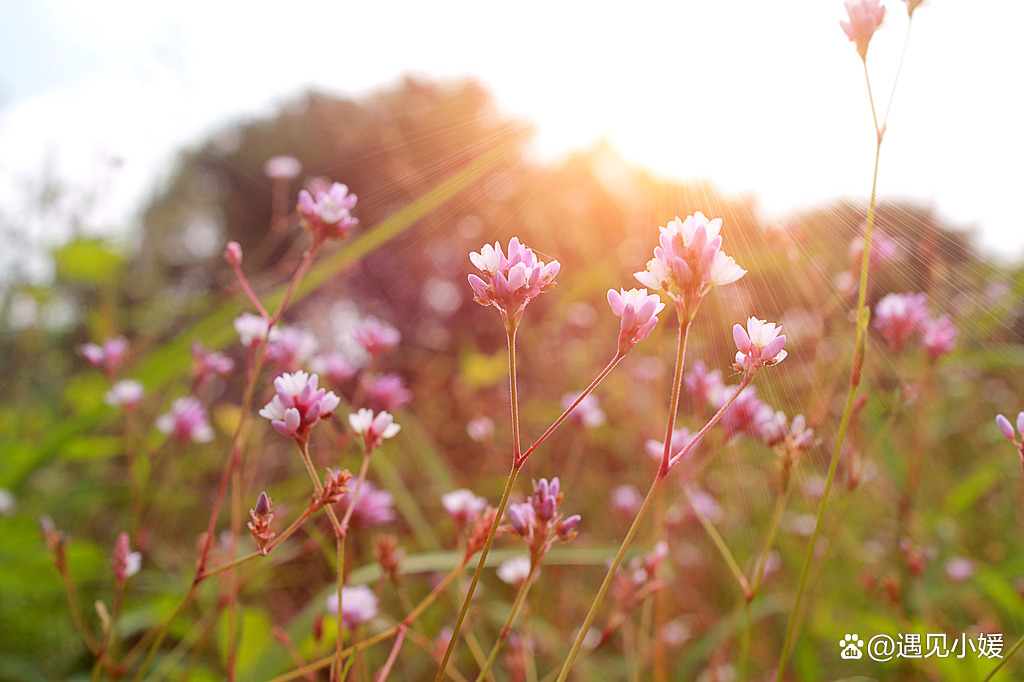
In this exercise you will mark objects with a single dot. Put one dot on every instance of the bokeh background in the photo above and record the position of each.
(134, 145)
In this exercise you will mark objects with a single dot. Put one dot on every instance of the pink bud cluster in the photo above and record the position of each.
(898, 316)
(689, 261)
(298, 405)
(107, 357)
(510, 282)
(538, 521)
(328, 215)
(759, 345)
(865, 16)
(1017, 438)
(386, 393)
(207, 364)
(639, 312)
(186, 422)
(124, 562)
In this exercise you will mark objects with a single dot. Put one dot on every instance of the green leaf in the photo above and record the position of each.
(88, 260)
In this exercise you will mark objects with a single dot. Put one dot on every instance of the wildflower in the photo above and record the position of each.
(959, 569)
(207, 363)
(298, 404)
(626, 499)
(522, 516)
(898, 316)
(1007, 429)
(681, 437)
(254, 329)
(639, 313)
(334, 367)
(358, 605)
(386, 393)
(938, 336)
(125, 393)
(865, 17)
(588, 413)
(746, 413)
(883, 248)
(759, 345)
(262, 514)
(389, 556)
(480, 428)
(376, 337)
(282, 168)
(107, 357)
(567, 528)
(373, 429)
(291, 348)
(689, 261)
(336, 484)
(463, 505)
(515, 570)
(912, 5)
(509, 283)
(705, 504)
(372, 508)
(702, 384)
(124, 562)
(233, 254)
(328, 215)
(186, 422)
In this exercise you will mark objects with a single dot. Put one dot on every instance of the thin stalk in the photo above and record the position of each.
(383, 674)
(1006, 658)
(517, 605)
(307, 260)
(899, 68)
(248, 290)
(162, 632)
(677, 382)
(719, 543)
(76, 610)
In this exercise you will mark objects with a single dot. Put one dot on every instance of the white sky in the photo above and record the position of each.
(759, 96)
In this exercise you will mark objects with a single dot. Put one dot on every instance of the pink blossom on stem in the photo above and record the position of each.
(282, 168)
(328, 215)
(626, 499)
(639, 313)
(1007, 428)
(124, 562)
(376, 337)
(745, 415)
(865, 16)
(107, 357)
(480, 428)
(588, 413)
(701, 384)
(515, 570)
(358, 605)
(233, 254)
(207, 363)
(681, 437)
(689, 261)
(334, 367)
(759, 345)
(298, 404)
(186, 422)
(898, 316)
(253, 329)
(125, 393)
(938, 336)
(386, 393)
(463, 505)
(373, 428)
(509, 283)
(290, 348)
(373, 507)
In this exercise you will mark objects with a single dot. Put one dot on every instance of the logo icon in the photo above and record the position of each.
(851, 646)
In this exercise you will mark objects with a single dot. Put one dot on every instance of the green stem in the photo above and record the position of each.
(892, 94)
(719, 543)
(517, 605)
(677, 382)
(1006, 658)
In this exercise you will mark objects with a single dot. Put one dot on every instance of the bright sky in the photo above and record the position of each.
(759, 96)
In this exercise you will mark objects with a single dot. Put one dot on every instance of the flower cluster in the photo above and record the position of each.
(186, 422)
(207, 364)
(898, 316)
(255, 329)
(865, 16)
(125, 393)
(689, 261)
(463, 505)
(298, 404)
(358, 606)
(1017, 438)
(107, 357)
(328, 215)
(588, 413)
(639, 312)
(124, 562)
(373, 428)
(510, 282)
(373, 507)
(262, 514)
(376, 337)
(759, 345)
(538, 521)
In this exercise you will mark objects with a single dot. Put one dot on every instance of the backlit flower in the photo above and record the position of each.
(386, 393)
(938, 336)
(510, 282)
(701, 384)
(681, 437)
(125, 393)
(291, 348)
(208, 363)
(515, 570)
(759, 345)
(186, 422)
(252, 329)
(463, 505)
(298, 404)
(639, 313)
(125, 563)
(373, 428)
(107, 357)
(898, 316)
(327, 216)
(865, 16)
(376, 337)
(480, 428)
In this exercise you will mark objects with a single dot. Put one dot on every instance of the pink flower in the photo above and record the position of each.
(959, 569)
(912, 5)
(358, 605)
(373, 429)
(938, 336)
(509, 283)
(639, 313)
(626, 500)
(745, 415)
(865, 17)
(372, 508)
(689, 261)
(883, 249)
(124, 562)
(298, 404)
(186, 422)
(705, 504)
(376, 337)
(588, 413)
(253, 329)
(107, 357)
(702, 384)
(515, 570)
(282, 168)
(681, 437)
(126, 393)
(897, 316)
(334, 367)
(1007, 428)
(386, 393)
(759, 345)
(480, 428)
(463, 505)
(291, 348)
(328, 215)
(207, 363)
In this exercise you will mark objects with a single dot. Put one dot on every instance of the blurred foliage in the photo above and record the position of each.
(440, 171)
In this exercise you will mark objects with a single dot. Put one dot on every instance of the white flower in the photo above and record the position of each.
(252, 329)
(126, 393)
(463, 505)
(515, 570)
